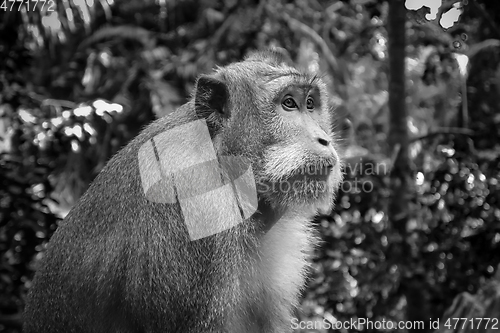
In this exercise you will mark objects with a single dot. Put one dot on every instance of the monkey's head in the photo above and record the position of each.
(277, 117)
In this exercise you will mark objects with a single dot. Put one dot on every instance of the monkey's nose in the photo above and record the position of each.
(324, 148)
(323, 142)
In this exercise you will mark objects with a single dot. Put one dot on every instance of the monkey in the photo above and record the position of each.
(123, 261)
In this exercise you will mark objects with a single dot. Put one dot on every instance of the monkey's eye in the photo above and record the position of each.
(310, 103)
(289, 103)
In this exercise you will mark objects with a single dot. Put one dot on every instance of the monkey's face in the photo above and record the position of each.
(277, 117)
(302, 165)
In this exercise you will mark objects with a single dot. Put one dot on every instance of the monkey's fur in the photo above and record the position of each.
(121, 263)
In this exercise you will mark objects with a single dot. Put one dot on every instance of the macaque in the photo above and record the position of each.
(202, 223)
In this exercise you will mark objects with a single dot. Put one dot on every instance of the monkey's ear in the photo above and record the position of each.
(211, 96)
(211, 102)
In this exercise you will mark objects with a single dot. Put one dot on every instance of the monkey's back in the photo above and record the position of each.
(119, 256)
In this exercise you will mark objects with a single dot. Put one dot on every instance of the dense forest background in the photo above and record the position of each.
(416, 228)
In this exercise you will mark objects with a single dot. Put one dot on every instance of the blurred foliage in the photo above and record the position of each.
(484, 304)
(78, 83)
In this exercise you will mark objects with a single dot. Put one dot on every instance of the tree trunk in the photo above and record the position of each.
(401, 174)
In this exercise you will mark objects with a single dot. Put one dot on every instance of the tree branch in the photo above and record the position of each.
(304, 29)
(444, 131)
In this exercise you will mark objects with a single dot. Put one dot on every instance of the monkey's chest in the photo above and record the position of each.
(283, 256)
